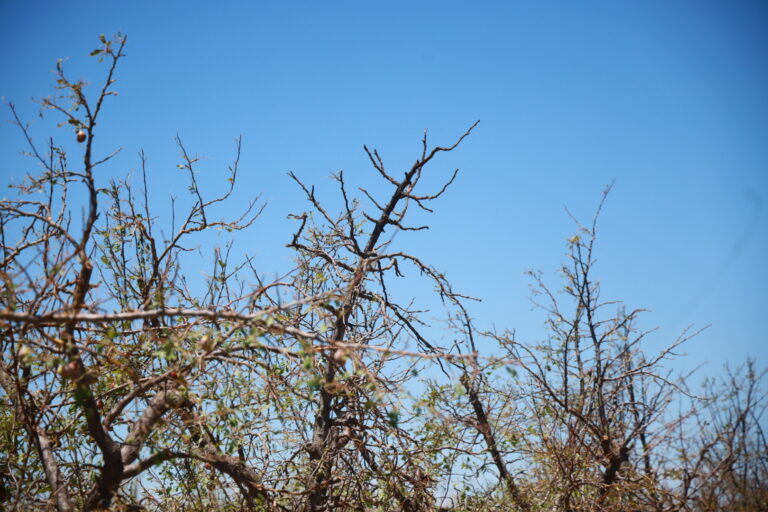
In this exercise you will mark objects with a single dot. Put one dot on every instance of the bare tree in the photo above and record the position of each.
(126, 382)
(120, 375)
(587, 420)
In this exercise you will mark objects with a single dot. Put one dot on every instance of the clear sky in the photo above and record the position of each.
(669, 98)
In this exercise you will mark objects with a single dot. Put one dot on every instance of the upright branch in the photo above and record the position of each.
(358, 266)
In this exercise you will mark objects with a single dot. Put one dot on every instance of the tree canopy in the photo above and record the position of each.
(126, 383)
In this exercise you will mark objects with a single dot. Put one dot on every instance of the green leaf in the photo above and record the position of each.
(394, 417)
(315, 384)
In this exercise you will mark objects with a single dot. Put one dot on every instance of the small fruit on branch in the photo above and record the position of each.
(71, 370)
(340, 356)
(207, 343)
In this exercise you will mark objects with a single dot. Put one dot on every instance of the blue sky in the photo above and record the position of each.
(667, 98)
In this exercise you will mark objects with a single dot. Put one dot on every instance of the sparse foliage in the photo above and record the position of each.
(127, 383)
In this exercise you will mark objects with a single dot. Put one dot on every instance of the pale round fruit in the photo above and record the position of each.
(340, 356)
(70, 370)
